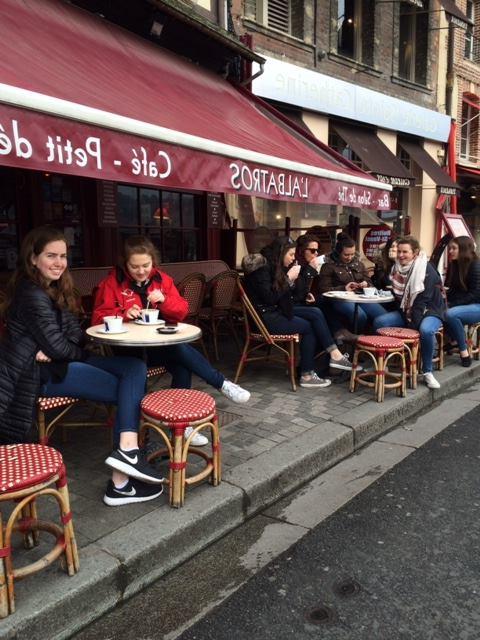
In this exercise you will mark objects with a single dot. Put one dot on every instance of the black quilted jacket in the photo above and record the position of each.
(456, 294)
(33, 324)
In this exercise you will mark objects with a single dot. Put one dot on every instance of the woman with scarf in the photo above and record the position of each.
(463, 292)
(418, 292)
(134, 285)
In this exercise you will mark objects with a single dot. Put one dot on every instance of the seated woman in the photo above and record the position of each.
(343, 271)
(42, 353)
(463, 293)
(307, 256)
(271, 285)
(418, 292)
(138, 282)
(384, 264)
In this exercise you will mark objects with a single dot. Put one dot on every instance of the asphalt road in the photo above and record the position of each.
(399, 562)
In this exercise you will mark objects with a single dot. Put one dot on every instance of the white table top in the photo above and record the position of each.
(349, 296)
(137, 335)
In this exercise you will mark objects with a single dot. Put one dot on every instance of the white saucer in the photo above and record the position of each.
(113, 333)
(149, 324)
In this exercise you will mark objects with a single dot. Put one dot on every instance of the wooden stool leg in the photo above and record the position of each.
(414, 366)
(177, 466)
(353, 374)
(4, 599)
(71, 551)
(380, 378)
(216, 454)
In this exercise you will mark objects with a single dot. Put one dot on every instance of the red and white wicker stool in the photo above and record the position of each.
(169, 412)
(411, 340)
(28, 471)
(61, 406)
(380, 350)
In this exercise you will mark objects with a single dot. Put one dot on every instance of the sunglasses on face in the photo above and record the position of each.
(312, 250)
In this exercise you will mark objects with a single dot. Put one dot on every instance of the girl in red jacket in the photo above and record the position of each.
(128, 289)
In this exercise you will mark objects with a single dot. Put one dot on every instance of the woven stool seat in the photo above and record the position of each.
(411, 340)
(399, 332)
(287, 337)
(380, 342)
(168, 413)
(29, 472)
(26, 465)
(45, 404)
(178, 405)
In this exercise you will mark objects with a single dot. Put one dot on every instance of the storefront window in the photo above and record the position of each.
(62, 207)
(8, 226)
(168, 217)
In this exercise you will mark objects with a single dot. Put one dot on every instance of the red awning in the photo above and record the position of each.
(79, 95)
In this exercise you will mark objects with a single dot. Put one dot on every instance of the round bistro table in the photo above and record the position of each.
(141, 335)
(356, 298)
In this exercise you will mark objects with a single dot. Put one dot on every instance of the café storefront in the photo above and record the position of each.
(105, 134)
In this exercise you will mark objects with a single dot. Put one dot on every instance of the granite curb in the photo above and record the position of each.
(120, 564)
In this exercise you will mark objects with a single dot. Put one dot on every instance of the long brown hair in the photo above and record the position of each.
(139, 245)
(274, 253)
(61, 291)
(458, 269)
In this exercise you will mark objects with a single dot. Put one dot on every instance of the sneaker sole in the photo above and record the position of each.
(118, 502)
(238, 400)
(196, 444)
(130, 471)
(343, 367)
(307, 385)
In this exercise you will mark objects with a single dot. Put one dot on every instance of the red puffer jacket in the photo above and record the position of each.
(115, 295)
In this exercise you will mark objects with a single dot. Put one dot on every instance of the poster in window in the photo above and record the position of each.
(107, 203)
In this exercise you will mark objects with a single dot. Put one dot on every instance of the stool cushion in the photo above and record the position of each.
(178, 405)
(25, 465)
(379, 342)
(55, 402)
(399, 332)
(287, 337)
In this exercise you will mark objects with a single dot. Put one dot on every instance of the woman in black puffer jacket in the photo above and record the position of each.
(42, 354)
(463, 292)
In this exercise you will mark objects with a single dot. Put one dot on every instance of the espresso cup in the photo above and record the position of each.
(149, 315)
(113, 324)
(370, 291)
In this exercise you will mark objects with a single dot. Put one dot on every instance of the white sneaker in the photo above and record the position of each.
(198, 440)
(234, 392)
(430, 381)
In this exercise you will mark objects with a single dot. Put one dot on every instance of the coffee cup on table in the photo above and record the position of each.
(113, 324)
(370, 291)
(149, 315)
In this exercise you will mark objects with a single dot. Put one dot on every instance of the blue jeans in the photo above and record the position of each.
(115, 380)
(428, 327)
(365, 312)
(278, 323)
(319, 325)
(181, 360)
(457, 317)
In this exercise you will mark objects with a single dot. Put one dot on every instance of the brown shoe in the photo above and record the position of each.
(346, 336)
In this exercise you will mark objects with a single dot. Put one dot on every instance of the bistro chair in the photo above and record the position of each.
(473, 340)
(257, 338)
(223, 294)
(411, 341)
(28, 472)
(169, 413)
(192, 288)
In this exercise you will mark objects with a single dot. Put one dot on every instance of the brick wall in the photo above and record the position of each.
(380, 72)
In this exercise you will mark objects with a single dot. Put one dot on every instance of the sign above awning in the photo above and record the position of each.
(375, 155)
(445, 184)
(79, 95)
(455, 15)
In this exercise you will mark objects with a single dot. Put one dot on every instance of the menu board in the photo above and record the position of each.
(215, 210)
(107, 203)
(375, 239)
(456, 225)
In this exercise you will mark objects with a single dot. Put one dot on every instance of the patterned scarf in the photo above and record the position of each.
(408, 281)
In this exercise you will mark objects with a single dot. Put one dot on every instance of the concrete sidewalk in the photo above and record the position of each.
(270, 447)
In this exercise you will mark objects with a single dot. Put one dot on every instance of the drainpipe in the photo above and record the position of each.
(452, 160)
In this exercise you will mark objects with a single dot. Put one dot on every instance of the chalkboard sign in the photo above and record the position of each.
(215, 210)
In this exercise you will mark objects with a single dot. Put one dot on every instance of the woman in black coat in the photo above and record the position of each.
(42, 353)
(463, 292)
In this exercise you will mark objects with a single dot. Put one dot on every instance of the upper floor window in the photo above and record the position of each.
(339, 145)
(413, 45)
(356, 29)
(469, 133)
(469, 37)
(286, 16)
